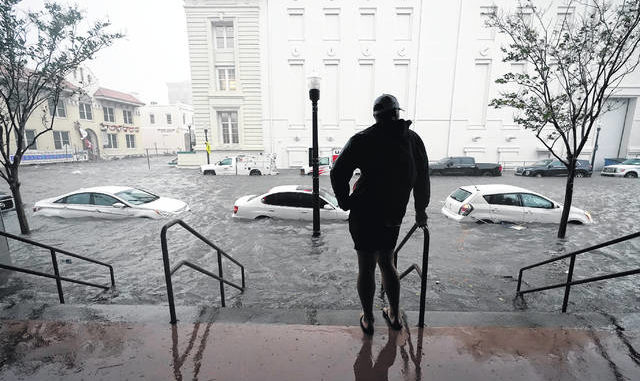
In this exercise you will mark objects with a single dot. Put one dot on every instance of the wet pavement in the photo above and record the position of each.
(221, 345)
(472, 268)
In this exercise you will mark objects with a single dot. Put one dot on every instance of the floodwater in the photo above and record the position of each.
(472, 267)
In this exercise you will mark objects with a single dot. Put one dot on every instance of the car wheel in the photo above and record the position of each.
(263, 218)
(487, 173)
(580, 174)
(255, 172)
(210, 172)
(631, 174)
(526, 173)
(575, 222)
(538, 174)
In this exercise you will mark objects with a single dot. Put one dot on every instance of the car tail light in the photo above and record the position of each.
(500, 168)
(465, 209)
(235, 209)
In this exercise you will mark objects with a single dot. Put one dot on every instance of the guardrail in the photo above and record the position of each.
(422, 271)
(570, 282)
(56, 271)
(168, 271)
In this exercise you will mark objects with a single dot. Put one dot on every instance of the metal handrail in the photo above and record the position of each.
(168, 271)
(425, 265)
(570, 282)
(56, 272)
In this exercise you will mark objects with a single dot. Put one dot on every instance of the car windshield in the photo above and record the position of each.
(137, 196)
(329, 197)
(631, 162)
(443, 161)
(541, 163)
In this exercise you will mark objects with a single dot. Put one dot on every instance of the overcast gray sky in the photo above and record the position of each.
(154, 51)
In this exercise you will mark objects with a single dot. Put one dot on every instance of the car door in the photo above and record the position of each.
(505, 207)
(79, 205)
(226, 167)
(539, 209)
(452, 167)
(467, 166)
(104, 206)
(557, 168)
(285, 205)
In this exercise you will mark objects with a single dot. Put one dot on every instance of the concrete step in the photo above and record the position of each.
(120, 342)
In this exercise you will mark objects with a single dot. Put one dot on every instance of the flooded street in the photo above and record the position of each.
(472, 267)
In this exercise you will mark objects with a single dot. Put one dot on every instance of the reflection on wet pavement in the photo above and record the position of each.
(51, 350)
(472, 268)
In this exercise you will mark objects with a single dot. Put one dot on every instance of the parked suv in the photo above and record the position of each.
(551, 167)
(628, 168)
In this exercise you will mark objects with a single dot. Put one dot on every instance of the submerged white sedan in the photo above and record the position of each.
(291, 202)
(506, 203)
(110, 202)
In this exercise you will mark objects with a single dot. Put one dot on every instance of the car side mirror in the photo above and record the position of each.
(327, 207)
(118, 205)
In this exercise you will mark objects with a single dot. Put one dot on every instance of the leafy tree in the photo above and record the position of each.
(576, 64)
(38, 49)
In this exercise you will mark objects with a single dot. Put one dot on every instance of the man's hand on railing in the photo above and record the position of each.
(421, 220)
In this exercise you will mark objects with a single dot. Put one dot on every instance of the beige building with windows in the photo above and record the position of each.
(103, 126)
(250, 60)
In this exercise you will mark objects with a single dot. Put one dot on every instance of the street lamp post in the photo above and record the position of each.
(314, 95)
(190, 143)
(206, 143)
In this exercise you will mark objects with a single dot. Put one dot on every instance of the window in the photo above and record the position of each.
(223, 34)
(131, 141)
(60, 139)
(509, 199)
(85, 111)
(460, 195)
(58, 110)
(296, 24)
(30, 137)
(332, 24)
(403, 24)
(79, 198)
(137, 196)
(152, 119)
(103, 199)
(229, 123)
(367, 24)
(226, 161)
(226, 79)
(486, 32)
(128, 117)
(557, 164)
(533, 201)
(288, 199)
(112, 141)
(168, 118)
(467, 161)
(108, 114)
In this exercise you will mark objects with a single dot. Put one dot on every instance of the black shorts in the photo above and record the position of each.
(373, 237)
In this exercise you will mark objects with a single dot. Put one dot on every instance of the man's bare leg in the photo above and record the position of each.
(367, 283)
(391, 282)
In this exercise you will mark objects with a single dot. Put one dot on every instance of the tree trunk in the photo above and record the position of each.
(568, 197)
(14, 185)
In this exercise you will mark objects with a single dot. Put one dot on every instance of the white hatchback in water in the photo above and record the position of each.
(506, 203)
(110, 202)
(291, 202)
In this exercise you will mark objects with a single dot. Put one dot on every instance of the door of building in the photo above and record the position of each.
(612, 123)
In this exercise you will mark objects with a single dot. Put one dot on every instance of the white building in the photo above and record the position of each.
(166, 128)
(250, 60)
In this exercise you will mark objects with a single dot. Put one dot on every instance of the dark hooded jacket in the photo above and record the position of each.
(392, 160)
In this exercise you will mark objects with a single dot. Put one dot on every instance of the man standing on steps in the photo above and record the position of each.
(392, 161)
